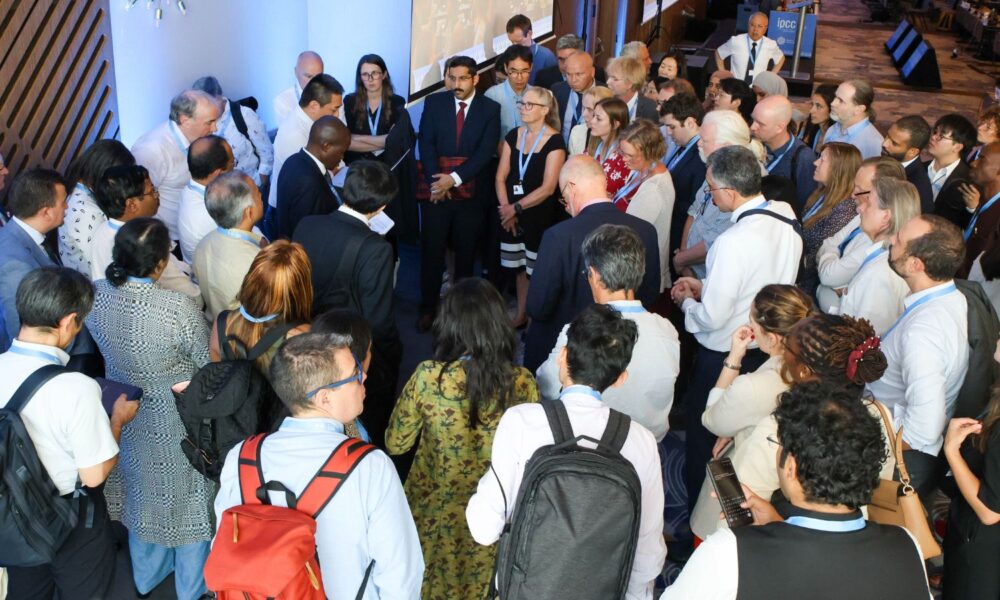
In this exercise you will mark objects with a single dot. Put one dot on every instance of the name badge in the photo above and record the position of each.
(518, 190)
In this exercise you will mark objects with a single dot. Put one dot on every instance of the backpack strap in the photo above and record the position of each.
(324, 485)
(267, 340)
(26, 391)
(251, 473)
(348, 258)
(617, 430)
(236, 112)
(763, 211)
(220, 330)
(555, 412)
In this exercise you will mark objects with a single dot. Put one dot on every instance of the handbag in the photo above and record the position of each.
(897, 503)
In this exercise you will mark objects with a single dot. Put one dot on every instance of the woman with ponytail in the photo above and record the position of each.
(152, 338)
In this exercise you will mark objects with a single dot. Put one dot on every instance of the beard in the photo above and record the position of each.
(900, 156)
(893, 266)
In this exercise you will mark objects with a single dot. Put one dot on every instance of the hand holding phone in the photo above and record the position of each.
(112, 390)
(729, 492)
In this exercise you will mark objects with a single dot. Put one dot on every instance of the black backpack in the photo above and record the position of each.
(35, 519)
(227, 402)
(575, 525)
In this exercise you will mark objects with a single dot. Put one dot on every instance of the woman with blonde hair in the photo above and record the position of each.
(526, 182)
(831, 205)
(626, 76)
(579, 136)
(610, 118)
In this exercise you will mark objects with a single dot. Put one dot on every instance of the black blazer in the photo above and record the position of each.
(302, 191)
(688, 175)
(559, 288)
(561, 91)
(949, 203)
(916, 174)
(647, 109)
(480, 134)
(368, 282)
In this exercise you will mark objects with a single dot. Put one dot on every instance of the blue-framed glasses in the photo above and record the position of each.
(358, 376)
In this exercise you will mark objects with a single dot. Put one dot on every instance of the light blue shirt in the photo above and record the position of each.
(862, 135)
(543, 59)
(709, 223)
(367, 520)
(506, 97)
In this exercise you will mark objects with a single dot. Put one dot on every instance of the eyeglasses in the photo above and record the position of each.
(359, 376)
(372, 76)
(941, 136)
(859, 194)
(713, 190)
(519, 72)
(155, 193)
(524, 105)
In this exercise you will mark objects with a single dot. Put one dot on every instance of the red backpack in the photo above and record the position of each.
(263, 551)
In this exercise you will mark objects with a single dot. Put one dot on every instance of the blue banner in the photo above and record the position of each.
(782, 27)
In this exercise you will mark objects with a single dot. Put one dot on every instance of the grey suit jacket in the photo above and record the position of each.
(19, 255)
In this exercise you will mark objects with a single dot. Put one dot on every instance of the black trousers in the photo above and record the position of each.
(455, 223)
(84, 567)
(699, 441)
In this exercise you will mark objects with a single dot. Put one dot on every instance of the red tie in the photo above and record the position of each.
(459, 123)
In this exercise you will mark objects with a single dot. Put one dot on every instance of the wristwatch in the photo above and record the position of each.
(518, 209)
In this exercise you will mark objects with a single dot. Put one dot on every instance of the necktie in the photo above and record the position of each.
(50, 250)
(329, 182)
(459, 122)
(751, 63)
(938, 183)
(579, 105)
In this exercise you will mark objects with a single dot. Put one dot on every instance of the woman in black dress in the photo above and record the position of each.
(371, 110)
(526, 182)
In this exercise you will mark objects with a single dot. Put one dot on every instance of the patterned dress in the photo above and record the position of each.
(83, 217)
(450, 460)
(153, 338)
(615, 171)
(813, 237)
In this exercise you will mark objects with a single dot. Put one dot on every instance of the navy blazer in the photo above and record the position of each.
(647, 109)
(302, 191)
(480, 134)
(688, 175)
(916, 174)
(950, 203)
(561, 91)
(19, 255)
(559, 289)
(804, 158)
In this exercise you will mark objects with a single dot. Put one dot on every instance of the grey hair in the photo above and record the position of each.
(208, 84)
(227, 196)
(570, 40)
(632, 49)
(302, 364)
(898, 196)
(185, 104)
(736, 167)
(617, 254)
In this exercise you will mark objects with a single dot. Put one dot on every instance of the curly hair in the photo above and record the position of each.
(818, 348)
(837, 444)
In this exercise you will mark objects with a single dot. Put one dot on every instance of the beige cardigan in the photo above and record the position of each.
(653, 202)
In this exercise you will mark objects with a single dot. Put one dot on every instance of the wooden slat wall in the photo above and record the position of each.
(58, 92)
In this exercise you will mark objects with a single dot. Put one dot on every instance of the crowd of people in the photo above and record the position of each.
(798, 290)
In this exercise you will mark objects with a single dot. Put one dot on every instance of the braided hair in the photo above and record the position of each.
(833, 348)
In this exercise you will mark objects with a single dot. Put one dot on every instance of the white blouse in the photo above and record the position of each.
(83, 217)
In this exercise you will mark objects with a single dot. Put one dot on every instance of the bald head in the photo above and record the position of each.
(770, 121)
(308, 65)
(328, 140)
(581, 181)
(580, 71)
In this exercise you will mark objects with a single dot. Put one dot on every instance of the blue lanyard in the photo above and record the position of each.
(824, 525)
(254, 319)
(177, 137)
(509, 93)
(580, 389)
(635, 179)
(373, 125)
(236, 234)
(36, 354)
(631, 111)
(524, 160)
(972, 224)
(678, 155)
(942, 292)
(843, 245)
(600, 146)
(131, 279)
(627, 308)
(571, 104)
(791, 143)
(114, 226)
(871, 257)
(815, 208)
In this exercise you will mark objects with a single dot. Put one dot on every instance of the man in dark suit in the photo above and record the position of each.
(626, 76)
(904, 141)
(37, 202)
(983, 229)
(461, 130)
(566, 46)
(559, 288)
(308, 188)
(682, 116)
(953, 135)
(353, 268)
(580, 75)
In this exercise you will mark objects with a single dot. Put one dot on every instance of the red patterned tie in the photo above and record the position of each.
(459, 122)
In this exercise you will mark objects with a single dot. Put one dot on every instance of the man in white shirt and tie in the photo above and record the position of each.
(163, 150)
(852, 109)
(751, 52)
(763, 246)
(308, 65)
(927, 349)
(208, 157)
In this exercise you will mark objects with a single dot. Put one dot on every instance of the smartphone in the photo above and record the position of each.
(110, 390)
(729, 492)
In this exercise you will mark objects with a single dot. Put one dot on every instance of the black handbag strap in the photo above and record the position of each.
(220, 329)
(555, 412)
(763, 211)
(27, 390)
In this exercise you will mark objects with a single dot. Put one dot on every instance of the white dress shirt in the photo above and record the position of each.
(163, 151)
(577, 143)
(648, 393)
(876, 292)
(36, 236)
(65, 419)
(293, 135)
(176, 275)
(938, 178)
(754, 252)
(632, 104)
(522, 430)
(193, 220)
(738, 47)
(862, 135)
(928, 356)
(286, 101)
(83, 217)
(458, 106)
(244, 158)
(368, 520)
(653, 202)
(836, 268)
